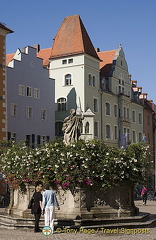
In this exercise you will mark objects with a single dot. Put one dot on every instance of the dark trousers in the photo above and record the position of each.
(144, 198)
(37, 218)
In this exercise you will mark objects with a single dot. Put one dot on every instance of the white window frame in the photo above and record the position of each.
(108, 125)
(29, 91)
(13, 109)
(36, 93)
(107, 110)
(43, 114)
(115, 110)
(13, 136)
(43, 139)
(90, 80)
(95, 105)
(29, 112)
(68, 79)
(21, 90)
(61, 104)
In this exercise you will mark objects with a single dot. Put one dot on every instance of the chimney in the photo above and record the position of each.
(37, 46)
(97, 49)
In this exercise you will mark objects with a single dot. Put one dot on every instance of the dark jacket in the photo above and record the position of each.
(36, 203)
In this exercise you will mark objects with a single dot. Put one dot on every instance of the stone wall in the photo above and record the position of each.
(85, 202)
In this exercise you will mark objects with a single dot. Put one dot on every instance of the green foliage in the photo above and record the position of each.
(84, 162)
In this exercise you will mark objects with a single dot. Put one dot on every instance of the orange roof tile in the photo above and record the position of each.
(9, 57)
(107, 61)
(45, 55)
(72, 38)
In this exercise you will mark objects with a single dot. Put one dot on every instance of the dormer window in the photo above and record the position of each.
(70, 60)
(64, 61)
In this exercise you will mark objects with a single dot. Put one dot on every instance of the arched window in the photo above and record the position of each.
(87, 127)
(108, 131)
(90, 79)
(94, 83)
(61, 104)
(107, 105)
(68, 80)
(58, 129)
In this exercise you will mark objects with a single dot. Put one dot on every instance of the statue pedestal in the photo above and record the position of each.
(86, 202)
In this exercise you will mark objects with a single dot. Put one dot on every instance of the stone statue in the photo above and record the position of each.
(72, 127)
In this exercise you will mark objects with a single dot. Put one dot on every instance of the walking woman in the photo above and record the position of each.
(36, 207)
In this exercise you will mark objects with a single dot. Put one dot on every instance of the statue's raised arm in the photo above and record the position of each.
(72, 127)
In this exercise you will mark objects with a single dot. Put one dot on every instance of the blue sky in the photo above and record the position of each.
(109, 23)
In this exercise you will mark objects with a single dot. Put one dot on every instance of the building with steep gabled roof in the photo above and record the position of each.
(72, 39)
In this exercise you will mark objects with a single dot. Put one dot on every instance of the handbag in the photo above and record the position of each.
(31, 203)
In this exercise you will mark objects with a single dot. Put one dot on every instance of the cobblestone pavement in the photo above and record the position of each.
(122, 234)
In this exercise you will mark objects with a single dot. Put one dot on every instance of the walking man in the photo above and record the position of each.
(48, 206)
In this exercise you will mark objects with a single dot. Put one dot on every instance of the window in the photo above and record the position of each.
(121, 83)
(95, 105)
(42, 139)
(115, 132)
(96, 129)
(58, 129)
(134, 137)
(13, 109)
(12, 136)
(108, 131)
(115, 110)
(87, 127)
(28, 140)
(21, 90)
(128, 131)
(133, 116)
(64, 61)
(68, 80)
(61, 104)
(43, 114)
(107, 109)
(29, 92)
(140, 137)
(128, 113)
(90, 79)
(70, 60)
(28, 112)
(140, 118)
(36, 93)
(124, 112)
(94, 81)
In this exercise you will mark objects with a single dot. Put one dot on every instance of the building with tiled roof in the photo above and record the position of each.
(73, 33)
(30, 98)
